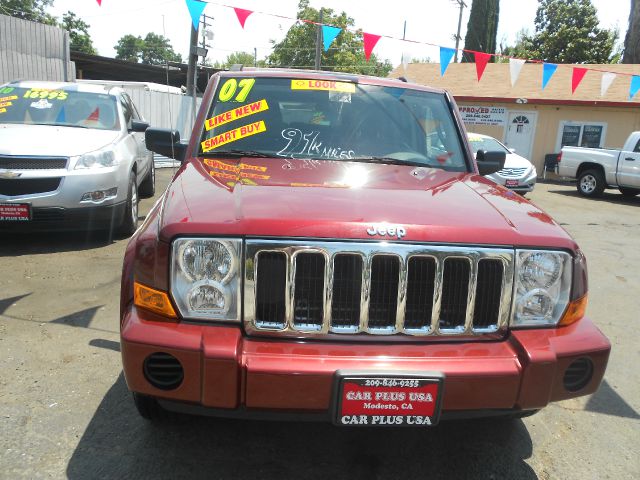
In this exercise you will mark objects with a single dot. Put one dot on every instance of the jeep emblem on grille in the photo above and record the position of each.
(385, 229)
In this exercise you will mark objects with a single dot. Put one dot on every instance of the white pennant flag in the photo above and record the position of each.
(515, 65)
(607, 80)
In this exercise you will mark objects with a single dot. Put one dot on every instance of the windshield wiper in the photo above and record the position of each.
(58, 125)
(390, 161)
(235, 153)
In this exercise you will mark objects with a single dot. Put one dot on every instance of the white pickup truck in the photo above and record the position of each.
(600, 168)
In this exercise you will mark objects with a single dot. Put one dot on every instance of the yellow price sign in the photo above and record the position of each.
(233, 135)
(43, 93)
(326, 85)
(236, 113)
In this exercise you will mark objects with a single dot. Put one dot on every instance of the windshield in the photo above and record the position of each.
(340, 121)
(487, 144)
(67, 108)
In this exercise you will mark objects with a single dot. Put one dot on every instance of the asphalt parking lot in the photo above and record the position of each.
(65, 410)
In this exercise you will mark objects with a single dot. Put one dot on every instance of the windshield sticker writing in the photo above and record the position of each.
(2, 110)
(325, 85)
(299, 143)
(4, 90)
(238, 173)
(5, 104)
(44, 93)
(229, 88)
(233, 135)
(8, 99)
(41, 104)
(236, 113)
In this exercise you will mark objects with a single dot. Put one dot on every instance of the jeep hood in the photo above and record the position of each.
(342, 199)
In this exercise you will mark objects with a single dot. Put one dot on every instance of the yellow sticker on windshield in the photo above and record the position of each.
(233, 135)
(2, 110)
(5, 104)
(8, 99)
(475, 138)
(326, 85)
(44, 93)
(236, 113)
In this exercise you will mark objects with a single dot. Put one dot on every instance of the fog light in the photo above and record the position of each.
(578, 374)
(99, 196)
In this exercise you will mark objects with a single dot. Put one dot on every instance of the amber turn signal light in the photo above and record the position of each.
(154, 300)
(575, 311)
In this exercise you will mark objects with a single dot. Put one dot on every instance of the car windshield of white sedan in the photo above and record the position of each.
(331, 120)
(64, 108)
(487, 144)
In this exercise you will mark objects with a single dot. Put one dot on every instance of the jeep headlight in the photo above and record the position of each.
(98, 159)
(542, 287)
(205, 278)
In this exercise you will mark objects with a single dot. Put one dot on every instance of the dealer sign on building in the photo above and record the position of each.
(494, 116)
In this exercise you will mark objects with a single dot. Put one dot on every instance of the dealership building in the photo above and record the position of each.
(533, 121)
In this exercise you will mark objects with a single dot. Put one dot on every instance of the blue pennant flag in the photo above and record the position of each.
(548, 69)
(195, 10)
(634, 87)
(329, 34)
(446, 54)
(61, 116)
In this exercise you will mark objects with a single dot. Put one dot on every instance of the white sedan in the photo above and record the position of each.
(518, 174)
(72, 156)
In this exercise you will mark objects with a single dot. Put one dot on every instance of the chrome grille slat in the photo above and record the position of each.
(386, 312)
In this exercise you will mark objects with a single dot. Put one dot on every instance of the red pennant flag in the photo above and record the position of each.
(95, 116)
(99, 3)
(481, 62)
(242, 15)
(576, 77)
(370, 41)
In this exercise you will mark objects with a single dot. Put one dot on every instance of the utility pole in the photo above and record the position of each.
(203, 42)
(461, 4)
(319, 42)
(192, 70)
(255, 56)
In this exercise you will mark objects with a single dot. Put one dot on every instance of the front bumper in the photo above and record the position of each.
(101, 217)
(525, 184)
(225, 370)
(70, 186)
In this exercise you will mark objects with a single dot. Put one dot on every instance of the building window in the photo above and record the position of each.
(578, 134)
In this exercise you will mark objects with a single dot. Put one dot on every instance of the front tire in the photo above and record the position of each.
(148, 185)
(130, 217)
(591, 183)
(629, 192)
(148, 407)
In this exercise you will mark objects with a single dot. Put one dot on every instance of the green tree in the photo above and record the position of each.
(567, 31)
(129, 48)
(632, 39)
(33, 10)
(157, 50)
(78, 33)
(153, 49)
(297, 49)
(239, 58)
(482, 28)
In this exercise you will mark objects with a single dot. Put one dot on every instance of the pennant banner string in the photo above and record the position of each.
(482, 58)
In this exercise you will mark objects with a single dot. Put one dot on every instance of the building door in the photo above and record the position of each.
(521, 128)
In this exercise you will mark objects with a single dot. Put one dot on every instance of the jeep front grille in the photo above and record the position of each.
(320, 288)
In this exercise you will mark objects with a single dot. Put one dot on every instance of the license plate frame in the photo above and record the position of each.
(15, 212)
(423, 413)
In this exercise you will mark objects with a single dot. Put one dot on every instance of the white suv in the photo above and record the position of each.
(72, 156)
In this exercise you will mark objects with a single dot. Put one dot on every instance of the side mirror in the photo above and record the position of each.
(139, 126)
(165, 142)
(490, 162)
